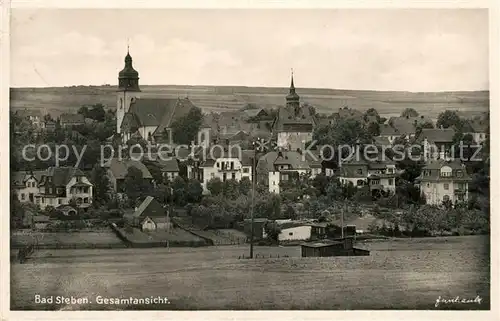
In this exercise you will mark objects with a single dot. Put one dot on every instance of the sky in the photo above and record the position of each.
(362, 49)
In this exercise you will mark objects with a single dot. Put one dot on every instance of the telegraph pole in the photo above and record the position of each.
(254, 178)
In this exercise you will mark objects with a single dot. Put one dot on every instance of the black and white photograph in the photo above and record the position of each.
(229, 159)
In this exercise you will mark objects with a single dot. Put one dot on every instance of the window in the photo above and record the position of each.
(428, 185)
(390, 170)
(22, 196)
(224, 177)
(391, 182)
(359, 171)
(218, 165)
(43, 200)
(233, 175)
(446, 186)
(59, 201)
(290, 234)
(86, 200)
(460, 173)
(245, 170)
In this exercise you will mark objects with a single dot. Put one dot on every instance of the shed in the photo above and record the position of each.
(338, 247)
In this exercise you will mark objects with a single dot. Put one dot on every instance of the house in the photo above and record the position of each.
(407, 126)
(478, 128)
(436, 143)
(34, 116)
(59, 185)
(294, 124)
(377, 171)
(255, 114)
(276, 167)
(49, 125)
(149, 216)
(69, 120)
(226, 162)
(442, 180)
(117, 171)
(25, 184)
(390, 133)
(166, 162)
(150, 118)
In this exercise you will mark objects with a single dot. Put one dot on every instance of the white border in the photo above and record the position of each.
(493, 5)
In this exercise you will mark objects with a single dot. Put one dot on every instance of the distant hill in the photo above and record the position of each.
(56, 100)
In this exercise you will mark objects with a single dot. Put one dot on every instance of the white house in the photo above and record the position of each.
(54, 187)
(230, 163)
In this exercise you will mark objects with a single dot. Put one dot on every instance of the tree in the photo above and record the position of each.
(193, 191)
(272, 231)
(155, 171)
(372, 112)
(185, 129)
(215, 185)
(136, 187)
(373, 129)
(179, 187)
(409, 112)
(348, 132)
(448, 119)
(245, 186)
(290, 212)
(102, 185)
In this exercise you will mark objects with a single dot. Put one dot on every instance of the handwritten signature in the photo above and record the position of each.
(457, 299)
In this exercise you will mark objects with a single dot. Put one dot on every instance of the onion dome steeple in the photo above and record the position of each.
(128, 77)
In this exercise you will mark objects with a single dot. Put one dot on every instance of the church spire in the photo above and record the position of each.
(292, 99)
(128, 78)
(292, 86)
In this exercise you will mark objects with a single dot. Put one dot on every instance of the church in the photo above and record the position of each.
(147, 118)
(294, 124)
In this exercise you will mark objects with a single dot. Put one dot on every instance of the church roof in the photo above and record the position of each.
(156, 112)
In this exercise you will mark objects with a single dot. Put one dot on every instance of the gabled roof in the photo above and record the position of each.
(19, 178)
(255, 112)
(295, 159)
(159, 112)
(286, 115)
(119, 168)
(434, 167)
(436, 135)
(138, 212)
(72, 118)
(476, 126)
(388, 130)
(61, 176)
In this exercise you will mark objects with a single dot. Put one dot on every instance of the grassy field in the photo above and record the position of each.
(69, 99)
(104, 237)
(402, 274)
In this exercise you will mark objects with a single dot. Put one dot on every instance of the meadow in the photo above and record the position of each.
(226, 98)
(399, 274)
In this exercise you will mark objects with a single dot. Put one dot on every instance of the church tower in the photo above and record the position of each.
(128, 90)
(292, 99)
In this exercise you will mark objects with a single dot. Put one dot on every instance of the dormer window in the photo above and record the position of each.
(460, 173)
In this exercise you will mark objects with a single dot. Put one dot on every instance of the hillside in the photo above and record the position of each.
(57, 100)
